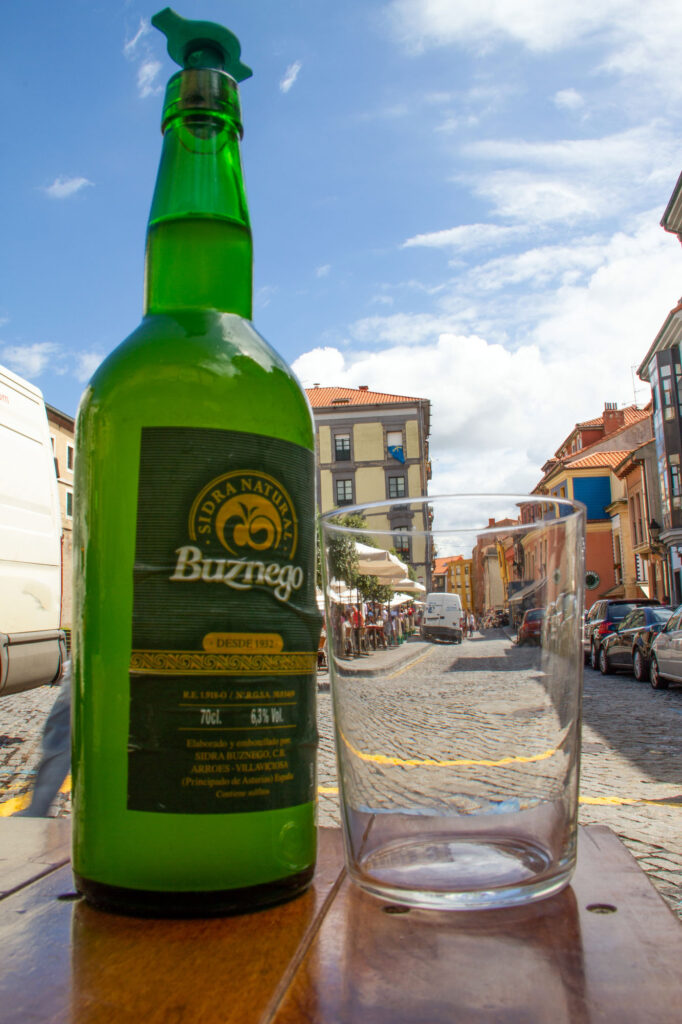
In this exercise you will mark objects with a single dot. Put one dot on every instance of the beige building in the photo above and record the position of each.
(62, 436)
(373, 446)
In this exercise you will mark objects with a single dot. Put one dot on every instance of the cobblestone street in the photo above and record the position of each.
(631, 772)
(631, 769)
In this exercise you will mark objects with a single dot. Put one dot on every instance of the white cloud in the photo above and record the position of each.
(138, 49)
(63, 188)
(146, 76)
(400, 328)
(569, 99)
(633, 38)
(290, 76)
(467, 237)
(499, 411)
(30, 360)
(323, 271)
(86, 364)
(566, 263)
(130, 45)
(540, 199)
(639, 149)
(540, 25)
(574, 179)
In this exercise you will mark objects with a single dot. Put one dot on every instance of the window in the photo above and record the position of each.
(69, 457)
(401, 543)
(342, 447)
(394, 444)
(344, 492)
(396, 486)
(69, 504)
(667, 393)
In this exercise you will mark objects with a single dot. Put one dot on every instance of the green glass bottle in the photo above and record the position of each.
(194, 731)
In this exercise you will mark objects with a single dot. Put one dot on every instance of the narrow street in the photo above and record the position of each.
(631, 771)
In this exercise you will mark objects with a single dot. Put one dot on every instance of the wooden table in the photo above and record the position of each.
(606, 949)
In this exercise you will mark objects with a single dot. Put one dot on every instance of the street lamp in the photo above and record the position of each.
(654, 535)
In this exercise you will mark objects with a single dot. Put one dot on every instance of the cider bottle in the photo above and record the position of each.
(196, 624)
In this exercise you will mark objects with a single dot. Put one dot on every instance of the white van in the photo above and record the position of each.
(32, 645)
(443, 618)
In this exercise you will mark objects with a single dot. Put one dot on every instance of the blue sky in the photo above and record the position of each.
(449, 200)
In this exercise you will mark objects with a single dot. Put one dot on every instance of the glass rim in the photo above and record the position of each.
(572, 510)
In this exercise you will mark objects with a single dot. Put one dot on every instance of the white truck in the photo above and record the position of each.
(32, 645)
(443, 617)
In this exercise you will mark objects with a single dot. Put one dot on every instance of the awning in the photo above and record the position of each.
(530, 588)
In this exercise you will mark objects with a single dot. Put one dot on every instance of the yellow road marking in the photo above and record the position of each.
(17, 803)
(619, 801)
(403, 762)
(410, 664)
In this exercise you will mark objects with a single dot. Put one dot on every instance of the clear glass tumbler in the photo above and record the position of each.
(457, 694)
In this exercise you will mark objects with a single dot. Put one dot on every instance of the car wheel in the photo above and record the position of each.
(604, 666)
(594, 657)
(638, 666)
(655, 677)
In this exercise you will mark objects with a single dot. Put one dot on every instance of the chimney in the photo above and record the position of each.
(614, 418)
(363, 387)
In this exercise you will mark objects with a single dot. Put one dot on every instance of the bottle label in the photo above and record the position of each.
(225, 624)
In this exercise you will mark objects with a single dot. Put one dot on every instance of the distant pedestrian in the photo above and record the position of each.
(472, 623)
(55, 762)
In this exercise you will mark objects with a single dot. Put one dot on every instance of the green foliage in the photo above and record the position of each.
(343, 560)
(372, 589)
(342, 555)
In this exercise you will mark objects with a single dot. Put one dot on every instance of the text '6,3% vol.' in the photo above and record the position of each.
(266, 716)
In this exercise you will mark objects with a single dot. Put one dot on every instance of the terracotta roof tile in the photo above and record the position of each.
(597, 460)
(443, 563)
(322, 397)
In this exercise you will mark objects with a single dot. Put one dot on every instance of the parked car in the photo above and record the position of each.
(603, 618)
(665, 663)
(629, 648)
(530, 629)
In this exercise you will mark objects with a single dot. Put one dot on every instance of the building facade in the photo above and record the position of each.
(662, 368)
(373, 446)
(460, 573)
(62, 429)
(586, 468)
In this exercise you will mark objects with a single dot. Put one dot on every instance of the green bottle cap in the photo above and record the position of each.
(201, 44)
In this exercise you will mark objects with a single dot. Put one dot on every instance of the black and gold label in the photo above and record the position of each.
(225, 624)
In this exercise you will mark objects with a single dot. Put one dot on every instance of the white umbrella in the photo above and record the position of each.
(399, 599)
(341, 593)
(380, 563)
(411, 586)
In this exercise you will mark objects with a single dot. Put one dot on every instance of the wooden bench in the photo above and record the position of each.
(607, 949)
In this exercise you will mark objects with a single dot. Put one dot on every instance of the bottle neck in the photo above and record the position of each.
(199, 251)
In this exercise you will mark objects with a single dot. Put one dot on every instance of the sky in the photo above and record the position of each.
(450, 200)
